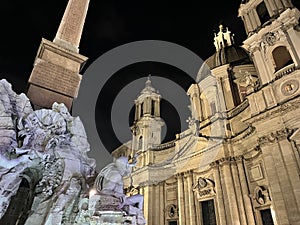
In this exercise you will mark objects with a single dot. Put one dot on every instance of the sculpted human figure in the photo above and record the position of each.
(110, 182)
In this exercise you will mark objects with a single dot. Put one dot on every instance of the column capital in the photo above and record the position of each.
(275, 136)
(178, 175)
(239, 158)
(214, 164)
(226, 160)
(187, 173)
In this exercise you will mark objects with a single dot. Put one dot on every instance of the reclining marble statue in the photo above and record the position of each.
(109, 182)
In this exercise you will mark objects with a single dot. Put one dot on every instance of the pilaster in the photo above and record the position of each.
(233, 216)
(219, 194)
(245, 192)
(281, 169)
(181, 206)
(237, 187)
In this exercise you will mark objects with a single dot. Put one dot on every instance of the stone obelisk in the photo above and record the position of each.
(56, 73)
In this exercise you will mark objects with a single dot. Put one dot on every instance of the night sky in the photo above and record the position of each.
(110, 24)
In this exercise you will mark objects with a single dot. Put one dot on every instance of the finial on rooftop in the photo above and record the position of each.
(148, 82)
(148, 86)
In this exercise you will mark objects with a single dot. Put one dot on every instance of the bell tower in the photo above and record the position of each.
(55, 76)
(147, 122)
(273, 31)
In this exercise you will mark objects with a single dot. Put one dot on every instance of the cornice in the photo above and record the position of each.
(280, 109)
(275, 136)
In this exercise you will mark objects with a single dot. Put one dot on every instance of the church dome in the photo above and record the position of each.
(233, 54)
(227, 52)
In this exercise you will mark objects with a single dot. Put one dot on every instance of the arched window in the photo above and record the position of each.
(142, 110)
(152, 107)
(140, 142)
(262, 12)
(282, 57)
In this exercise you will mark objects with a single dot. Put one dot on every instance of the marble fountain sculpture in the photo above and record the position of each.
(45, 173)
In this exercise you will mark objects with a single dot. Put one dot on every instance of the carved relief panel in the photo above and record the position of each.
(204, 188)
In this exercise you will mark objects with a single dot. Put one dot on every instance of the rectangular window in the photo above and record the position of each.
(266, 217)
(208, 212)
(262, 12)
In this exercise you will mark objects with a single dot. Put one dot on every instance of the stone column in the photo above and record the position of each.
(239, 198)
(265, 75)
(221, 105)
(199, 109)
(231, 197)
(202, 106)
(147, 105)
(157, 107)
(279, 6)
(227, 92)
(286, 3)
(255, 19)
(248, 22)
(161, 203)
(221, 217)
(186, 198)
(271, 6)
(136, 113)
(192, 207)
(180, 198)
(156, 213)
(245, 192)
(294, 41)
(245, 23)
(139, 110)
(148, 210)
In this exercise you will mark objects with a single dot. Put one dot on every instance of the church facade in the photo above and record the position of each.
(238, 162)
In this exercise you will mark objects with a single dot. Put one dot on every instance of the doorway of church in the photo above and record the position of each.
(208, 212)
